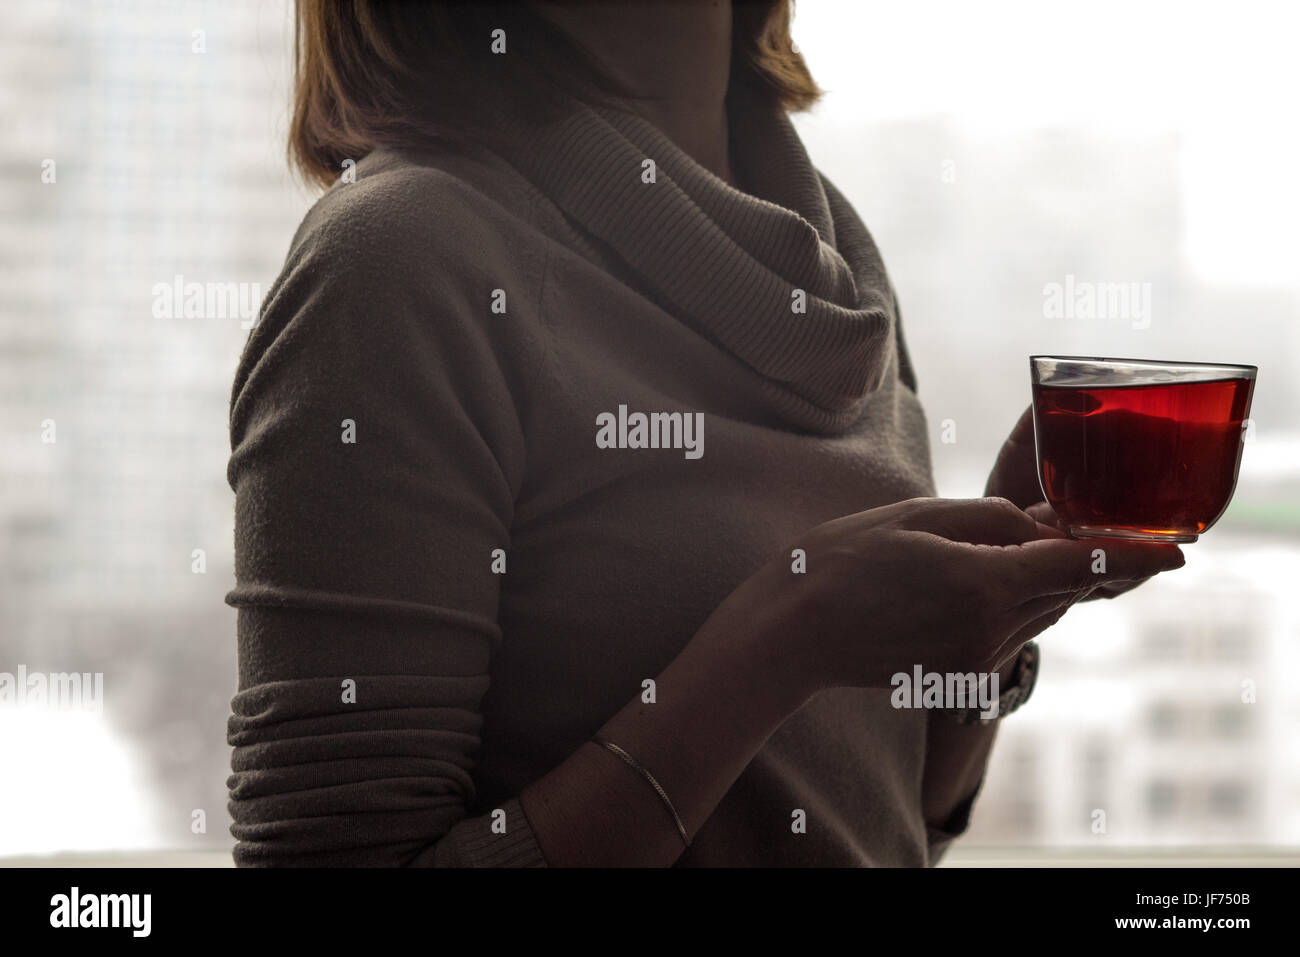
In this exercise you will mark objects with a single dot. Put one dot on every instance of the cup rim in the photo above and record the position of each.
(1246, 371)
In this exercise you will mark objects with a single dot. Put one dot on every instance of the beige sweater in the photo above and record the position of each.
(425, 386)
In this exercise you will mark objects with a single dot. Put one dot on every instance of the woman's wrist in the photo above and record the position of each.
(768, 628)
(715, 706)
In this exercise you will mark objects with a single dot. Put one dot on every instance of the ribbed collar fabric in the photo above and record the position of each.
(726, 261)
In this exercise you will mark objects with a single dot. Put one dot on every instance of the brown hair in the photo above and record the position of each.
(370, 73)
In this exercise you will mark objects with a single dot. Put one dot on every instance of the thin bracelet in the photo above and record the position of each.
(681, 828)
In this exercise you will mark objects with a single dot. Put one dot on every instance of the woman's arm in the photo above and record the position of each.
(956, 759)
(377, 453)
(717, 703)
(367, 607)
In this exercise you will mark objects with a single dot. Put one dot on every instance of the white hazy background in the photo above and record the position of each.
(992, 149)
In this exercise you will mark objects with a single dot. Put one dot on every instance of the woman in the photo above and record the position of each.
(583, 495)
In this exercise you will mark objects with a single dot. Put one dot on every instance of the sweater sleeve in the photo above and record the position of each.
(377, 450)
(938, 840)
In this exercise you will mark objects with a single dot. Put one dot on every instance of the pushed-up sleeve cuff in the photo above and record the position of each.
(472, 842)
(939, 839)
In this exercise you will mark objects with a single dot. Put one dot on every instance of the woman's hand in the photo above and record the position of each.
(1015, 477)
(953, 585)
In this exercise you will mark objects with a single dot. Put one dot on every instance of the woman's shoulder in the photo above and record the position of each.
(429, 209)
(405, 267)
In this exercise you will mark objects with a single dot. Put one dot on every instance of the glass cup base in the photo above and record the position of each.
(1139, 535)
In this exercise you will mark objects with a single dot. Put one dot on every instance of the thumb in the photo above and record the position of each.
(977, 521)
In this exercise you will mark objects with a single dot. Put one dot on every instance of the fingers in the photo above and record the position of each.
(1027, 632)
(1041, 613)
(1115, 589)
(1023, 432)
(977, 521)
(1050, 566)
(1042, 605)
(1015, 473)
(1033, 617)
(1042, 512)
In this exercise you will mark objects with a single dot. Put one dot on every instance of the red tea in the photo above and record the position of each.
(1147, 460)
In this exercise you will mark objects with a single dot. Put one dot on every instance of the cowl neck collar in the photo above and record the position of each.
(781, 274)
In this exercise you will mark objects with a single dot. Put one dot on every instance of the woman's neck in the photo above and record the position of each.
(674, 58)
